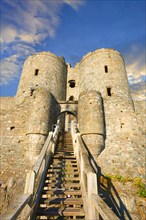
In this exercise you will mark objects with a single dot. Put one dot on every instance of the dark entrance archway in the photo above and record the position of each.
(66, 117)
(68, 112)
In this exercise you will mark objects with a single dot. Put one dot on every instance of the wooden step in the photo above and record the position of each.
(63, 176)
(64, 169)
(61, 212)
(62, 184)
(65, 201)
(69, 151)
(54, 178)
(61, 167)
(64, 153)
(65, 192)
(64, 157)
(57, 161)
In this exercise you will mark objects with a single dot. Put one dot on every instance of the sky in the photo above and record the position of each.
(72, 28)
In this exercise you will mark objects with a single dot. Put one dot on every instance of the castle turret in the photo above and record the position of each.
(43, 70)
(91, 121)
(43, 114)
(42, 84)
(104, 70)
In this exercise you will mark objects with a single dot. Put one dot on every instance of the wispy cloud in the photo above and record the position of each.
(138, 90)
(11, 66)
(24, 24)
(136, 70)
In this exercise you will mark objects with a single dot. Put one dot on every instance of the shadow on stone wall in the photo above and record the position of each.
(108, 192)
(104, 122)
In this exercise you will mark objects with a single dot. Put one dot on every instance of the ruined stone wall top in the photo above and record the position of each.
(102, 50)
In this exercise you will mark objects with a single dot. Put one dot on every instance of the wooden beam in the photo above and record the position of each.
(16, 209)
(103, 209)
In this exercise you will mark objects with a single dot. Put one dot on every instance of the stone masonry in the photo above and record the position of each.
(96, 91)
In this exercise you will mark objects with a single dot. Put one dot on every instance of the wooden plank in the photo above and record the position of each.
(64, 157)
(61, 167)
(64, 172)
(55, 211)
(103, 209)
(64, 169)
(57, 161)
(64, 178)
(43, 152)
(62, 184)
(65, 192)
(16, 209)
(29, 184)
(65, 201)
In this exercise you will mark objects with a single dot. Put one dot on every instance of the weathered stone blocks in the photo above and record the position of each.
(40, 120)
(43, 70)
(91, 121)
(104, 71)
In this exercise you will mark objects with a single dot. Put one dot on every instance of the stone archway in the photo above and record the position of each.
(68, 112)
(66, 118)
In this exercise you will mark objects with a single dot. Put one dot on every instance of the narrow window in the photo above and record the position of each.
(11, 128)
(106, 69)
(71, 98)
(109, 92)
(36, 72)
(31, 91)
(72, 83)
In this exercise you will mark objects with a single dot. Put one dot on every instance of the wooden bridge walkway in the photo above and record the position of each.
(62, 196)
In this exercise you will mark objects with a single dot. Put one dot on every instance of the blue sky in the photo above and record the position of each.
(72, 28)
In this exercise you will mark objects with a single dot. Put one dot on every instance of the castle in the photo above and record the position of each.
(95, 93)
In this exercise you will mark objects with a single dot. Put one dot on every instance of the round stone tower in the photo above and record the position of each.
(43, 70)
(39, 122)
(91, 121)
(42, 85)
(104, 70)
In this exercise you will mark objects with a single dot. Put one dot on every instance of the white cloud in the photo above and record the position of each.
(8, 34)
(136, 71)
(75, 4)
(138, 91)
(9, 70)
(24, 24)
(32, 17)
(11, 66)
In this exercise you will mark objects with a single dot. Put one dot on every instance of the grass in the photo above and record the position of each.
(136, 182)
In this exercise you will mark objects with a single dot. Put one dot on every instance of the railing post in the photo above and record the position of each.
(92, 188)
(29, 185)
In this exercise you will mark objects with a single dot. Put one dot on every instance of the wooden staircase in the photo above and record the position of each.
(61, 196)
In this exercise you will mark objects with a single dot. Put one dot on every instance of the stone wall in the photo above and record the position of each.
(72, 77)
(24, 128)
(124, 146)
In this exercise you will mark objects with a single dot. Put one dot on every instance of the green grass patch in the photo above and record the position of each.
(136, 182)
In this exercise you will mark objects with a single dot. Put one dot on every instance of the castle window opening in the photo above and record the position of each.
(36, 72)
(71, 98)
(106, 69)
(109, 92)
(31, 91)
(12, 127)
(72, 83)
